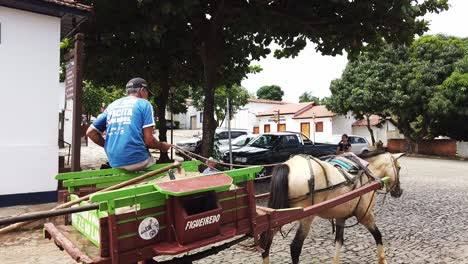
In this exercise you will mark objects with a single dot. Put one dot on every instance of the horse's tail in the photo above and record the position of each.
(279, 187)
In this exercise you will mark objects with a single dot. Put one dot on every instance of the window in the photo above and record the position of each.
(319, 127)
(223, 135)
(306, 140)
(237, 134)
(361, 140)
(201, 117)
(256, 130)
(281, 127)
(266, 129)
(291, 141)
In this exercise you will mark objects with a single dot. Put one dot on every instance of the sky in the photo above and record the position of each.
(312, 72)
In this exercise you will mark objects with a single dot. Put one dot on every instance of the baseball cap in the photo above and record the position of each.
(137, 83)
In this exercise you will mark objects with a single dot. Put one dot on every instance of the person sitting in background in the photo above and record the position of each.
(210, 163)
(344, 145)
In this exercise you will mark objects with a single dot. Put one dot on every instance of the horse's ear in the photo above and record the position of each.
(398, 155)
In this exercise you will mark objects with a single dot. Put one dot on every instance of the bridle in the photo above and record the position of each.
(396, 171)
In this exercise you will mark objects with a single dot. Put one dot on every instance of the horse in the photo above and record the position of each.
(291, 186)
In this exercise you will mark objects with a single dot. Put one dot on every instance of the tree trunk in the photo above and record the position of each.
(210, 48)
(208, 56)
(370, 130)
(209, 122)
(162, 102)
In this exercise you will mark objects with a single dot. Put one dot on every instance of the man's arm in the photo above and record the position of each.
(95, 136)
(151, 142)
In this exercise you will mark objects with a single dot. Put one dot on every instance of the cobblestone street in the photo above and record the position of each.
(428, 224)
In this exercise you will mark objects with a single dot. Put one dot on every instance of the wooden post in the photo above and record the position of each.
(77, 104)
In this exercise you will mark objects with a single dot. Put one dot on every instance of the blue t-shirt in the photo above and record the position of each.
(123, 121)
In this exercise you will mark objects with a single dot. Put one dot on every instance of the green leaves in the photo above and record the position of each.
(238, 97)
(309, 97)
(423, 86)
(270, 92)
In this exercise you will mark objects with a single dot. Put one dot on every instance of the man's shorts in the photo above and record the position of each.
(140, 165)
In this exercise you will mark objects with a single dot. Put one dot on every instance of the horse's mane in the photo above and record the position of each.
(371, 154)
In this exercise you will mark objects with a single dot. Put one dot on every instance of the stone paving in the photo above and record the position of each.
(428, 224)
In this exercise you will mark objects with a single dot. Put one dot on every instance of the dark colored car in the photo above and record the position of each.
(277, 147)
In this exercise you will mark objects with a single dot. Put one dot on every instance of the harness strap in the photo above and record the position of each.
(323, 168)
(345, 175)
(362, 167)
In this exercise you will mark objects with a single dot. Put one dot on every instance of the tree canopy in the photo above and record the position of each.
(214, 41)
(238, 97)
(309, 97)
(450, 102)
(270, 92)
(422, 86)
(367, 86)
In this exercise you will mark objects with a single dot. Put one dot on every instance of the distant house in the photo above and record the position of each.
(383, 128)
(315, 121)
(30, 34)
(245, 118)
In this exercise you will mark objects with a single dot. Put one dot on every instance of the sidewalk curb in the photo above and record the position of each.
(435, 157)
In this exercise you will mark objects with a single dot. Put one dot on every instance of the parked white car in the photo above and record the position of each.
(237, 143)
(193, 144)
(358, 144)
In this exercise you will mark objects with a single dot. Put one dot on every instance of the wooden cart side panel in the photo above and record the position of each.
(124, 235)
(135, 242)
(104, 234)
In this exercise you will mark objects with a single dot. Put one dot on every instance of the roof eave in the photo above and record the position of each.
(71, 16)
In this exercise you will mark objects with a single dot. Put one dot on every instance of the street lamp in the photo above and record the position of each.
(172, 92)
(315, 128)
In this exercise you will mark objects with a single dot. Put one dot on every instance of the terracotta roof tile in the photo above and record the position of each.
(318, 110)
(374, 120)
(265, 101)
(287, 109)
(70, 3)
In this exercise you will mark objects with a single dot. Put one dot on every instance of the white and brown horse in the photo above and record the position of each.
(290, 187)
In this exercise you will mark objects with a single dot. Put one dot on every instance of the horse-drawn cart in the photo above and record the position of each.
(172, 217)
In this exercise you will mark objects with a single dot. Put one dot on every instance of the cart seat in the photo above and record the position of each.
(212, 182)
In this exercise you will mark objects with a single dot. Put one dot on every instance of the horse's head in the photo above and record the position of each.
(387, 165)
(395, 188)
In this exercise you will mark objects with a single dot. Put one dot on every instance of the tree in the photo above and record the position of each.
(309, 97)
(236, 94)
(126, 39)
(367, 86)
(226, 40)
(450, 101)
(270, 92)
(95, 97)
(430, 61)
(417, 85)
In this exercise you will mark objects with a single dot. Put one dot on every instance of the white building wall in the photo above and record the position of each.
(387, 131)
(317, 136)
(343, 124)
(29, 74)
(184, 119)
(246, 117)
(294, 125)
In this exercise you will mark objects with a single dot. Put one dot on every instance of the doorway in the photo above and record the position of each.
(305, 129)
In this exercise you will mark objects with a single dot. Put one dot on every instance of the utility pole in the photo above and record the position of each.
(77, 79)
(229, 132)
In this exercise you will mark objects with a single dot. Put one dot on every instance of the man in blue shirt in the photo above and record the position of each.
(128, 125)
